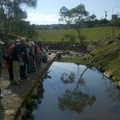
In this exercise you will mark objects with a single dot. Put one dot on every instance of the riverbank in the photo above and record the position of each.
(105, 56)
(15, 97)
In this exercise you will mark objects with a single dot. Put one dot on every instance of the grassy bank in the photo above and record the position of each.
(93, 34)
(107, 56)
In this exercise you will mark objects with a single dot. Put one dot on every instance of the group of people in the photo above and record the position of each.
(23, 58)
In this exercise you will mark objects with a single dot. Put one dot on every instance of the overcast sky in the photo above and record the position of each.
(47, 11)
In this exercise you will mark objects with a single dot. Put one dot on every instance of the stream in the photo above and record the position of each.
(76, 92)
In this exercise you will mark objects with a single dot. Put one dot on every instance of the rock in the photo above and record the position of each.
(108, 74)
(117, 84)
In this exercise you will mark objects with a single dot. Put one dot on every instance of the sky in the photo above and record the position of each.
(47, 11)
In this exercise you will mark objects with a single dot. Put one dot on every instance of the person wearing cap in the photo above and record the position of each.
(31, 67)
(17, 51)
(25, 59)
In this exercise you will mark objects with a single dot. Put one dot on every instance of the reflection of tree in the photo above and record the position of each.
(31, 117)
(66, 78)
(33, 105)
(74, 100)
(90, 66)
(81, 81)
(112, 91)
(70, 78)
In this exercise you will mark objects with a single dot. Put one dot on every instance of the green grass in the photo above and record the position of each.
(108, 56)
(77, 60)
(93, 34)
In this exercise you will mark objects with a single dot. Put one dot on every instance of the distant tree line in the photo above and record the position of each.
(89, 24)
(77, 18)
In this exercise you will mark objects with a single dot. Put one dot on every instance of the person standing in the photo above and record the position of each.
(25, 59)
(16, 59)
(37, 56)
(10, 61)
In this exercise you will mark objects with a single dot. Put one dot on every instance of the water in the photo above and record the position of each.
(75, 92)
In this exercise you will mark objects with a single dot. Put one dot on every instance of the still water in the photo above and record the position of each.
(76, 92)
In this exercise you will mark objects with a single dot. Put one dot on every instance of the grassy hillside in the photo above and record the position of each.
(93, 34)
(107, 56)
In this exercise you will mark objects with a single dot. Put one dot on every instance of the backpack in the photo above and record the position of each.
(5, 56)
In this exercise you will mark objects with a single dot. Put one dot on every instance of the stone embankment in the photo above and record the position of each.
(15, 97)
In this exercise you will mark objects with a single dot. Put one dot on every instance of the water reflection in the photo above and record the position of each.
(81, 81)
(112, 90)
(68, 78)
(34, 104)
(74, 100)
(46, 75)
(67, 97)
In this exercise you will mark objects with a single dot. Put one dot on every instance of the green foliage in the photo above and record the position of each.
(69, 37)
(75, 17)
(11, 10)
(22, 28)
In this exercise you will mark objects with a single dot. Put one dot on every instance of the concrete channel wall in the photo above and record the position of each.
(16, 97)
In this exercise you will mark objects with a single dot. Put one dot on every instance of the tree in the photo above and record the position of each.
(12, 9)
(75, 17)
(23, 28)
(90, 20)
(17, 10)
(5, 13)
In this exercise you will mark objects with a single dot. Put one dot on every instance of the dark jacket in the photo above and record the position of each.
(16, 52)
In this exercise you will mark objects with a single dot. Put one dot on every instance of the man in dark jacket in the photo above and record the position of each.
(16, 59)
